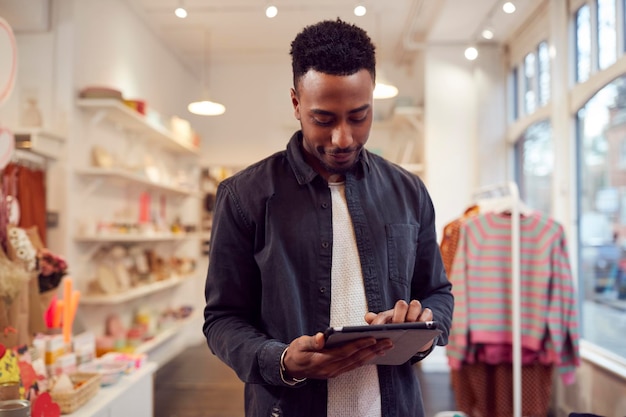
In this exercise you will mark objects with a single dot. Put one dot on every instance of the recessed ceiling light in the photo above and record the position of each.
(471, 53)
(360, 10)
(271, 11)
(487, 33)
(508, 7)
(180, 12)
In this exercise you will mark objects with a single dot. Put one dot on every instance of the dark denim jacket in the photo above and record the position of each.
(269, 271)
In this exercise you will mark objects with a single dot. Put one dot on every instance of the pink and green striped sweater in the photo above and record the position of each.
(481, 278)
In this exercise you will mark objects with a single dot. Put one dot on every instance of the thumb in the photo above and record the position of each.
(318, 341)
(369, 317)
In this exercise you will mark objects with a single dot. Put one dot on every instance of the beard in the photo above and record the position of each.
(335, 168)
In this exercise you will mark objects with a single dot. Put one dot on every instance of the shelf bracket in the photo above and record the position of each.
(98, 116)
(92, 187)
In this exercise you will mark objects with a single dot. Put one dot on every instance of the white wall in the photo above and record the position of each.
(465, 121)
(259, 117)
(451, 136)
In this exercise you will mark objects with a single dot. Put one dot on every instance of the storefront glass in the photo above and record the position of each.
(534, 153)
(601, 171)
(607, 33)
(583, 43)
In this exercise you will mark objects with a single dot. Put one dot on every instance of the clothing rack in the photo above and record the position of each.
(506, 198)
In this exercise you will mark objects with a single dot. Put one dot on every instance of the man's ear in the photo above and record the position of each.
(295, 103)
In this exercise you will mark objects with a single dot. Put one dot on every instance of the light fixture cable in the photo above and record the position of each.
(206, 107)
(383, 89)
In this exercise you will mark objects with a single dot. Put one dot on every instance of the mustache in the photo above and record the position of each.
(340, 151)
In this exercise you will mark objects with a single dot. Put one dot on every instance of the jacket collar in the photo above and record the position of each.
(304, 172)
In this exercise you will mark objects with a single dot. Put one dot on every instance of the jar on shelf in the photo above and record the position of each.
(15, 408)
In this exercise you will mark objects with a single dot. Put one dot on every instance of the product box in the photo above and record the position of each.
(55, 347)
(84, 347)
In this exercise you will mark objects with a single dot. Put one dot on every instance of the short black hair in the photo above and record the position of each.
(333, 47)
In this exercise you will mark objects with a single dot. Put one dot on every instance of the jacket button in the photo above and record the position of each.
(322, 290)
(324, 205)
(325, 245)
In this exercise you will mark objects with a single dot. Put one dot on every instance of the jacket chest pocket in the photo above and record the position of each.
(401, 250)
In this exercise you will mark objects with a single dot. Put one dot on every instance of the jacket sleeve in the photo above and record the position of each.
(231, 315)
(430, 283)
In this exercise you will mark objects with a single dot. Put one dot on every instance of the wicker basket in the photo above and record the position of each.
(70, 401)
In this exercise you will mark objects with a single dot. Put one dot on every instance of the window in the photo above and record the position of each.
(530, 101)
(514, 85)
(583, 43)
(602, 217)
(607, 34)
(543, 54)
(529, 82)
(534, 156)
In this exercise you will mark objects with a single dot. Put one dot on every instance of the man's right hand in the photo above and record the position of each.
(307, 358)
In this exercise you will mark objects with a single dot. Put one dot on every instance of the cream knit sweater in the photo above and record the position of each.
(355, 393)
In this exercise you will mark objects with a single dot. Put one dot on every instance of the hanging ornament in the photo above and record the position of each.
(8, 63)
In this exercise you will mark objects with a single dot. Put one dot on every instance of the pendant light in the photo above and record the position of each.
(204, 106)
(383, 89)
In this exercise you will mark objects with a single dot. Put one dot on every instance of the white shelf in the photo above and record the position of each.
(120, 174)
(137, 292)
(114, 396)
(132, 238)
(164, 335)
(132, 121)
(40, 141)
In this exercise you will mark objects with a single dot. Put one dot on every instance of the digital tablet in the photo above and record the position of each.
(407, 338)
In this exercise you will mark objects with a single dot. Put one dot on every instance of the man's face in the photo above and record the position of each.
(335, 113)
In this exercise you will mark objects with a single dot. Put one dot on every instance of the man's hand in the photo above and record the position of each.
(307, 358)
(403, 313)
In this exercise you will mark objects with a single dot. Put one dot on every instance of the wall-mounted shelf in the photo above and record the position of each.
(134, 122)
(120, 174)
(137, 292)
(128, 130)
(164, 335)
(136, 238)
(39, 141)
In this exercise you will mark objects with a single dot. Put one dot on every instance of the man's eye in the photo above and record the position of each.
(322, 122)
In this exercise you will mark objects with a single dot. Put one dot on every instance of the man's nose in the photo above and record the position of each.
(342, 136)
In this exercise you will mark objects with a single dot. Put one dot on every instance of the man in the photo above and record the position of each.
(324, 233)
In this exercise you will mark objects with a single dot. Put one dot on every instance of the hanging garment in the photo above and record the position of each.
(481, 278)
(30, 191)
(450, 237)
(485, 390)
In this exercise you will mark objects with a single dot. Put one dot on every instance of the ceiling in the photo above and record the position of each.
(399, 28)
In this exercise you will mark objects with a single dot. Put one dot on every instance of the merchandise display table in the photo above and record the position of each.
(132, 395)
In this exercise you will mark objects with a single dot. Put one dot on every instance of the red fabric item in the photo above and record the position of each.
(29, 187)
(483, 390)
